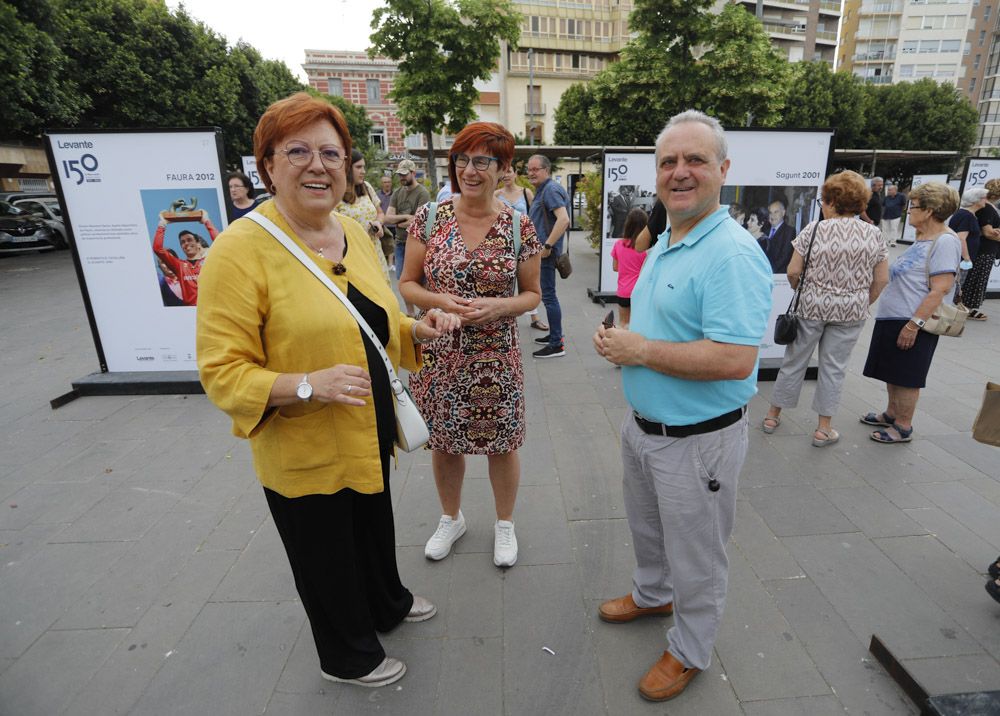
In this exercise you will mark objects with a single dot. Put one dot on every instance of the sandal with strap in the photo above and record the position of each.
(539, 326)
(769, 429)
(975, 315)
(832, 436)
(883, 436)
(879, 420)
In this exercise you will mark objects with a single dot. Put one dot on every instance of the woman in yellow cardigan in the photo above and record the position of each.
(284, 358)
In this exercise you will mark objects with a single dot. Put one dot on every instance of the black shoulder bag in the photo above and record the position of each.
(786, 328)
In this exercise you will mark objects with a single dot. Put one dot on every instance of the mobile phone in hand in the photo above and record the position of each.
(609, 320)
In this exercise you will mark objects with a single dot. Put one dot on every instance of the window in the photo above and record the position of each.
(982, 37)
(377, 137)
(986, 12)
(575, 57)
(534, 23)
(534, 131)
(374, 92)
(335, 86)
(534, 99)
(924, 71)
(906, 70)
(910, 46)
(927, 46)
(972, 85)
(945, 71)
(951, 45)
(975, 62)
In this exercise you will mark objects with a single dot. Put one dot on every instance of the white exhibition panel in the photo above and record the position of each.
(250, 169)
(979, 171)
(115, 185)
(909, 233)
(789, 165)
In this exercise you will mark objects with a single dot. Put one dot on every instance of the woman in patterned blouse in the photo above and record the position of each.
(469, 258)
(847, 271)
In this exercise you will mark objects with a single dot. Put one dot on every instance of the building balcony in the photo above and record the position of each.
(826, 37)
(534, 110)
(879, 80)
(786, 32)
(880, 8)
(826, 6)
(877, 56)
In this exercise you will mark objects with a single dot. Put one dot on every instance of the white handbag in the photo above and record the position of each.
(411, 429)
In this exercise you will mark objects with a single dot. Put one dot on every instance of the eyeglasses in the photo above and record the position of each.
(300, 155)
(915, 206)
(480, 162)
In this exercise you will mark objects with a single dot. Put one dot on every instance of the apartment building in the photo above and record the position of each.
(887, 41)
(562, 42)
(800, 29)
(988, 137)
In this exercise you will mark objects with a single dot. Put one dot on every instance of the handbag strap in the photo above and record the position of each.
(927, 268)
(286, 241)
(802, 278)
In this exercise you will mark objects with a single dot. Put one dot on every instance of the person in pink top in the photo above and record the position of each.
(628, 261)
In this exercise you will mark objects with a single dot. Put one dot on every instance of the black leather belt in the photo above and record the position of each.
(683, 431)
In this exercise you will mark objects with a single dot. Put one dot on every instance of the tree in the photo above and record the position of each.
(683, 57)
(821, 98)
(573, 115)
(921, 115)
(36, 91)
(741, 78)
(442, 49)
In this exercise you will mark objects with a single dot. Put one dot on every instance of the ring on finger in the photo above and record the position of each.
(349, 388)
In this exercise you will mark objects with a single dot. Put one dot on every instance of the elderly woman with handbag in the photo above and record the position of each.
(847, 269)
(287, 358)
(474, 256)
(900, 353)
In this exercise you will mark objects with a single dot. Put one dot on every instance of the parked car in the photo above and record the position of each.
(20, 231)
(47, 209)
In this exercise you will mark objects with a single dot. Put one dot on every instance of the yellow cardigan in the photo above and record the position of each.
(261, 313)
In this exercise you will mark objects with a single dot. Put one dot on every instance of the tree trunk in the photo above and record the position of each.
(431, 164)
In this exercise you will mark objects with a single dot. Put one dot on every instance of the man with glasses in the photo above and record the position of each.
(550, 216)
(409, 197)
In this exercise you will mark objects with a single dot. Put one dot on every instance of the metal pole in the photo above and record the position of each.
(760, 8)
(531, 97)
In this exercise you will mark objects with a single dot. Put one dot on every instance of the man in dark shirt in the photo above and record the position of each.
(777, 244)
(873, 214)
(892, 212)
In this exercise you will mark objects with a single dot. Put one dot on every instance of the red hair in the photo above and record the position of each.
(291, 114)
(495, 137)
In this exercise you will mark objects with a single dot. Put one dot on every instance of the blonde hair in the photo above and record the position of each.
(939, 199)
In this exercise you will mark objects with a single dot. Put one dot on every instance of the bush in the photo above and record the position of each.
(591, 186)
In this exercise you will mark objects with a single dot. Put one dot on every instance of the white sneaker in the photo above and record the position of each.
(504, 544)
(388, 672)
(447, 533)
(421, 611)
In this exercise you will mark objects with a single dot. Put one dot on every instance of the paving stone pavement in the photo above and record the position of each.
(140, 572)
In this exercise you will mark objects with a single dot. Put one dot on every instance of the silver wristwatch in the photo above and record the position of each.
(918, 322)
(304, 389)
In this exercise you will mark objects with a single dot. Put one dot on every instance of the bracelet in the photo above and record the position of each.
(906, 326)
(413, 335)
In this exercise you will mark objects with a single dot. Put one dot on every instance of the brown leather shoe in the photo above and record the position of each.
(624, 609)
(667, 679)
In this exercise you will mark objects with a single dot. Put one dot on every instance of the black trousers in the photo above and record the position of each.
(342, 550)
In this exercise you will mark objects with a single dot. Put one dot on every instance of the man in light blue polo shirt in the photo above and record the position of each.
(689, 364)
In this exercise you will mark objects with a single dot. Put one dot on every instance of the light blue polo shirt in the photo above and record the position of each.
(715, 284)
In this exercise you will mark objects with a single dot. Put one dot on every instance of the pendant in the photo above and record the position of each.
(339, 269)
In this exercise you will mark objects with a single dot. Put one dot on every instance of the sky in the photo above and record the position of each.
(283, 30)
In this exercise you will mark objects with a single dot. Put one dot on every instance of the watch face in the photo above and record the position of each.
(304, 391)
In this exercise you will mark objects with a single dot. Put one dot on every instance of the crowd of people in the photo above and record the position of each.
(301, 367)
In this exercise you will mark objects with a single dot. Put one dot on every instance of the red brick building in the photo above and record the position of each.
(363, 81)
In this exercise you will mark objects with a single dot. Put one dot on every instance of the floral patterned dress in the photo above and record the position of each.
(471, 388)
(363, 211)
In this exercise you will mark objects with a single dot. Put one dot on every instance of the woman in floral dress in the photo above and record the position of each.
(471, 388)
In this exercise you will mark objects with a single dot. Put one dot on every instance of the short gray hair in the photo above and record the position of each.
(876, 179)
(543, 160)
(693, 115)
(973, 196)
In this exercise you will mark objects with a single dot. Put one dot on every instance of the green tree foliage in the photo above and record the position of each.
(920, 115)
(134, 63)
(741, 78)
(821, 98)
(442, 48)
(573, 115)
(592, 188)
(683, 57)
(36, 91)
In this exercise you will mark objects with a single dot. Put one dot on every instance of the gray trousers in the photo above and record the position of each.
(680, 528)
(836, 341)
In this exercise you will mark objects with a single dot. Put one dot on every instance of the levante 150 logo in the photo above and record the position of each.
(82, 169)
